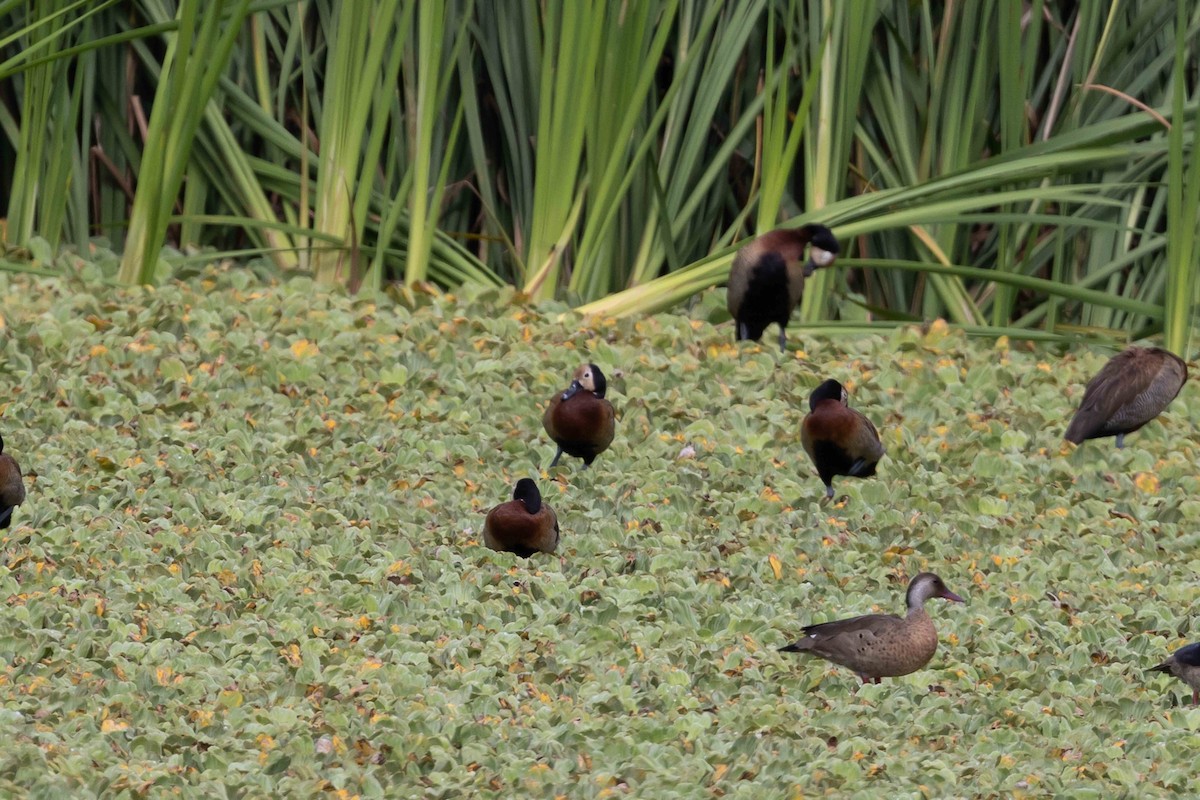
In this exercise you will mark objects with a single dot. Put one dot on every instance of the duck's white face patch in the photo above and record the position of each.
(822, 258)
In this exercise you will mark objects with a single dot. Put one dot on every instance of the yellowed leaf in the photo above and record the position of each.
(303, 348)
(1147, 482)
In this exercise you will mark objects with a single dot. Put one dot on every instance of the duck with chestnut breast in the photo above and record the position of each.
(524, 525)
(1184, 664)
(840, 440)
(580, 420)
(766, 280)
(12, 486)
(1134, 387)
(879, 646)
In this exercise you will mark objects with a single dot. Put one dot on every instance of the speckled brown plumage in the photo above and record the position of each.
(1134, 387)
(524, 525)
(838, 439)
(879, 646)
(1184, 664)
(12, 486)
(766, 280)
(580, 419)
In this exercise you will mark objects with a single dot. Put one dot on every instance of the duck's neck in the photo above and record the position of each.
(916, 611)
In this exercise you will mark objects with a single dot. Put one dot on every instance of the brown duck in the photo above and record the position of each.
(12, 487)
(766, 280)
(838, 439)
(1130, 390)
(579, 420)
(881, 645)
(524, 525)
(1184, 664)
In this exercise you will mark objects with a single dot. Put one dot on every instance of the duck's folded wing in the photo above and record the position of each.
(1118, 383)
(868, 625)
(866, 445)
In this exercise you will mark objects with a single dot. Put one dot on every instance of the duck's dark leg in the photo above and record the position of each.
(1120, 440)
(557, 456)
(743, 331)
(6, 517)
(829, 491)
(783, 338)
(878, 681)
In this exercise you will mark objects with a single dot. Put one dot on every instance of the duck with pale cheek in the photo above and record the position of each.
(766, 280)
(879, 646)
(580, 420)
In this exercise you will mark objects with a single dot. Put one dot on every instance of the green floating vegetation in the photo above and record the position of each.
(250, 565)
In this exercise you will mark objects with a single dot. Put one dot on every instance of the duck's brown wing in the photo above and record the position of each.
(12, 487)
(739, 279)
(608, 424)
(864, 444)
(830, 639)
(1130, 390)
(548, 417)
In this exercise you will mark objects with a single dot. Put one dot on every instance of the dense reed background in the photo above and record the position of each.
(1016, 167)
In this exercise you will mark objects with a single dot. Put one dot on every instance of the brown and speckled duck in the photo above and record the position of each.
(524, 525)
(838, 439)
(1184, 664)
(881, 645)
(1134, 387)
(12, 487)
(766, 280)
(580, 420)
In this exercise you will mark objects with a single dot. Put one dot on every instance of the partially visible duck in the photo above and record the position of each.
(766, 280)
(1184, 664)
(1130, 390)
(12, 487)
(524, 525)
(881, 645)
(838, 439)
(580, 420)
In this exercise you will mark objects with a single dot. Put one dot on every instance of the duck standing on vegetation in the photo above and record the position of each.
(1184, 664)
(1130, 390)
(580, 420)
(766, 280)
(880, 645)
(12, 487)
(524, 525)
(838, 439)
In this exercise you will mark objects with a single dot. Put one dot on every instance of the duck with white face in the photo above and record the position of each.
(581, 420)
(766, 281)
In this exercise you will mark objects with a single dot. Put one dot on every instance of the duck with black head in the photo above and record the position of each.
(1134, 387)
(766, 281)
(840, 440)
(12, 486)
(580, 419)
(524, 525)
(1184, 664)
